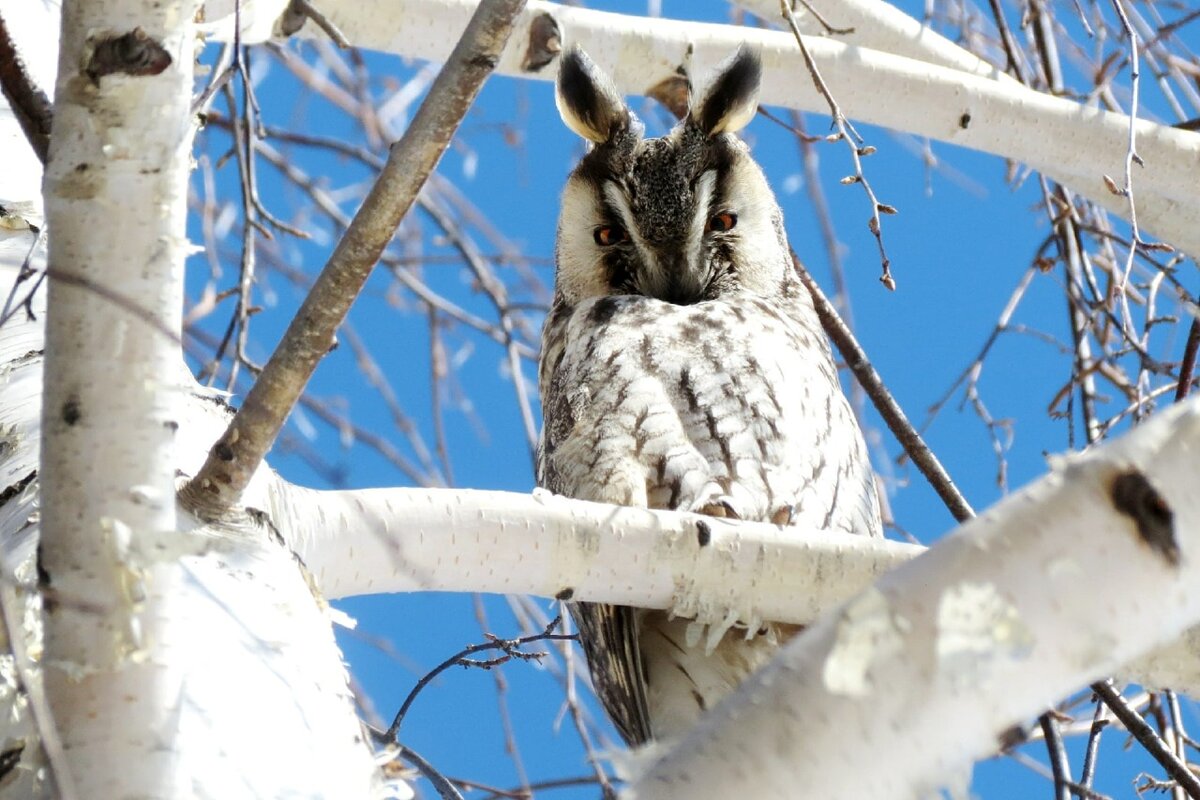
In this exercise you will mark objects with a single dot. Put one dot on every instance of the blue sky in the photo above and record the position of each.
(963, 240)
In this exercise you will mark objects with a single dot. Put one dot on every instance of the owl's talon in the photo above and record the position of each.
(719, 507)
(784, 515)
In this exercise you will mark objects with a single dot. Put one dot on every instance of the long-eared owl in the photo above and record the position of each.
(683, 367)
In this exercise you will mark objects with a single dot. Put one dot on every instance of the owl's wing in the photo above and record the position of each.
(609, 635)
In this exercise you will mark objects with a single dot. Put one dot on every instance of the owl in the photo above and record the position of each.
(683, 367)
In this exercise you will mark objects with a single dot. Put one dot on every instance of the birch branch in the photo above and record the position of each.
(1072, 144)
(881, 26)
(29, 104)
(985, 629)
(21, 177)
(405, 540)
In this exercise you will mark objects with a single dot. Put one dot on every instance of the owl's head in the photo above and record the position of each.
(683, 218)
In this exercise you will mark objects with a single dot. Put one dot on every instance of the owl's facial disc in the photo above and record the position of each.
(664, 224)
(684, 218)
(663, 253)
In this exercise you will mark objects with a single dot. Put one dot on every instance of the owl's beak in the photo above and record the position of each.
(681, 281)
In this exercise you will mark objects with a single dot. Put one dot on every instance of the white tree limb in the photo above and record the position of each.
(375, 541)
(914, 678)
(1070, 143)
(178, 659)
(881, 26)
(470, 540)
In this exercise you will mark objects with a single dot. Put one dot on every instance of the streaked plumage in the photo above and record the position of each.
(683, 367)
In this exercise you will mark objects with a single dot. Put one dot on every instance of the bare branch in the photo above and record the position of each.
(858, 149)
(1187, 366)
(1133, 722)
(510, 648)
(237, 454)
(28, 102)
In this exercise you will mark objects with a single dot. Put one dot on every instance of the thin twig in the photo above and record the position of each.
(1099, 723)
(300, 10)
(1151, 741)
(858, 149)
(1070, 251)
(1178, 735)
(1057, 753)
(510, 736)
(376, 378)
(1156, 708)
(510, 648)
(1010, 46)
(27, 271)
(1085, 792)
(809, 160)
(1187, 366)
(239, 329)
(439, 370)
(1131, 155)
(794, 129)
(573, 707)
(829, 29)
(28, 102)
(441, 783)
(222, 72)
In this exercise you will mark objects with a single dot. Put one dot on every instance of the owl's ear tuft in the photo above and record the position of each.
(587, 100)
(731, 99)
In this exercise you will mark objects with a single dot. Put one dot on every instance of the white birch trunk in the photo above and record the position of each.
(179, 660)
(114, 193)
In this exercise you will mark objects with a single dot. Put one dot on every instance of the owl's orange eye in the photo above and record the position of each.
(608, 235)
(721, 222)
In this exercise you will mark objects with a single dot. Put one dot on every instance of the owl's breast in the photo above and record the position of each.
(669, 406)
